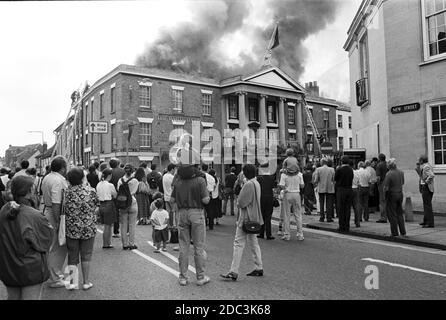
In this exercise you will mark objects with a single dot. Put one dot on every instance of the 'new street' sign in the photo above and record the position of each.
(98, 127)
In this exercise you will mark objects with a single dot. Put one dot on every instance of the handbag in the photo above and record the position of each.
(252, 227)
(62, 233)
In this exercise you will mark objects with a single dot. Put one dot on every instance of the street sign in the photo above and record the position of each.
(98, 127)
(327, 148)
(406, 108)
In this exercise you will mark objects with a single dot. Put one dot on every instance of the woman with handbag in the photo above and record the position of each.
(249, 221)
(142, 197)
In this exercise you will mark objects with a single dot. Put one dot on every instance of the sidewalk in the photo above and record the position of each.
(418, 236)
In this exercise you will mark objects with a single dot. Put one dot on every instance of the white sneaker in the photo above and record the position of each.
(279, 233)
(72, 287)
(59, 284)
(203, 281)
(301, 238)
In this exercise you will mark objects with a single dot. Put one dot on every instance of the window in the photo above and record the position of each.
(291, 115)
(438, 133)
(92, 104)
(144, 96)
(434, 28)
(310, 143)
(271, 112)
(112, 100)
(145, 135)
(350, 123)
(206, 136)
(341, 143)
(113, 136)
(86, 114)
(177, 100)
(350, 143)
(326, 117)
(292, 137)
(364, 56)
(340, 125)
(206, 102)
(101, 105)
(233, 107)
(253, 109)
(86, 139)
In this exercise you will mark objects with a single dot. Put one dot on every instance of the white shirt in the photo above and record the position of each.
(5, 179)
(53, 186)
(167, 185)
(355, 183)
(365, 178)
(105, 191)
(160, 216)
(133, 186)
(210, 182)
(292, 183)
(215, 191)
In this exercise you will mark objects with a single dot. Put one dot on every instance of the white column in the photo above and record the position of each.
(282, 126)
(242, 110)
(262, 111)
(299, 122)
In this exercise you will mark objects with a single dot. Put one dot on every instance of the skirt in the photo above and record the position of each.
(107, 212)
(143, 205)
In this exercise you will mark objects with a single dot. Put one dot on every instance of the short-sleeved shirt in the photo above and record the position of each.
(106, 191)
(167, 185)
(291, 183)
(160, 216)
(53, 186)
(188, 193)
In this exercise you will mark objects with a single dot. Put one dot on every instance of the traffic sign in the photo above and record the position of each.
(98, 127)
(327, 148)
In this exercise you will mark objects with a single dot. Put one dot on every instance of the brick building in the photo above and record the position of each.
(397, 52)
(149, 104)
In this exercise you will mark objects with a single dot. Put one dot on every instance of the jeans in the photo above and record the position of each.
(127, 219)
(241, 238)
(25, 293)
(382, 202)
(364, 193)
(395, 213)
(292, 201)
(229, 197)
(57, 254)
(106, 237)
(427, 205)
(356, 206)
(267, 212)
(192, 224)
(344, 205)
(326, 205)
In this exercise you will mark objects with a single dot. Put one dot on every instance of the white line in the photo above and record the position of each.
(378, 242)
(171, 257)
(404, 267)
(156, 262)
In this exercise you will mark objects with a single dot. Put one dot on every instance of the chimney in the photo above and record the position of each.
(44, 147)
(313, 88)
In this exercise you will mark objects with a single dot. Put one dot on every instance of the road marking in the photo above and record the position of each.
(172, 257)
(371, 241)
(404, 267)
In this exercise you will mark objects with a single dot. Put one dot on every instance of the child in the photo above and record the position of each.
(160, 220)
(290, 164)
(106, 193)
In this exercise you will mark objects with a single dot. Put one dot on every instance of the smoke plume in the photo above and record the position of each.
(193, 47)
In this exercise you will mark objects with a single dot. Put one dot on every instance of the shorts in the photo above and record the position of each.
(81, 247)
(161, 235)
(107, 212)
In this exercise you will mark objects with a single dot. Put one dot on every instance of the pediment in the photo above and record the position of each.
(274, 78)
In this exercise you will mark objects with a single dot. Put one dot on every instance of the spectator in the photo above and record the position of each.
(160, 221)
(344, 181)
(365, 180)
(146, 170)
(117, 173)
(128, 216)
(81, 203)
(53, 187)
(25, 240)
(215, 202)
(92, 176)
(249, 204)
(102, 167)
(24, 165)
(290, 164)
(168, 180)
(229, 191)
(142, 197)
(426, 174)
(107, 209)
(210, 184)
(381, 171)
(355, 199)
(370, 168)
(155, 180)
(267, 181)
(393, 190)
(324, 180)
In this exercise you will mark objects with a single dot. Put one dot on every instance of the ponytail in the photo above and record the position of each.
(13, 211)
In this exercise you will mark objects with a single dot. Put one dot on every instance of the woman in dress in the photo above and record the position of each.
(142, 196)
(80, 205)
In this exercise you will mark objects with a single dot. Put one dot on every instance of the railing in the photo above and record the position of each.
(362, 92)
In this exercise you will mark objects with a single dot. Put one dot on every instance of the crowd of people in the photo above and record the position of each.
(46, 219)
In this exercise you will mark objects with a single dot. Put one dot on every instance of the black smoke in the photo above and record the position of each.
(191, 47)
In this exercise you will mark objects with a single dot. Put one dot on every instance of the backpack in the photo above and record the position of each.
(124, 197)
(153, 183)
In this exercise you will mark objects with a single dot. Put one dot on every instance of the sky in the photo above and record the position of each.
(49, 49)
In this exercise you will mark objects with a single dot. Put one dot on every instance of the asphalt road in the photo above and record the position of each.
(324, 266)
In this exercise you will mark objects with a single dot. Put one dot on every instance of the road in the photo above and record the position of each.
(324, 266)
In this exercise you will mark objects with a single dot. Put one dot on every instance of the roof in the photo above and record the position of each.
(330, 102)
(69, 121)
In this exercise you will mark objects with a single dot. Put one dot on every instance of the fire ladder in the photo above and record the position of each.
(312, 123)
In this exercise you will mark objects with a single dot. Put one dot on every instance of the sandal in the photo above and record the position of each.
(87, 286)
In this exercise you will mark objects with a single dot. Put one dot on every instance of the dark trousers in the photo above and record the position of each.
(427, 205)
(209, 215)
(364, 202)
(382, 202)
(355, 205)
(344, 206)
(267, 212)
(116, 224)
(394, 207)
(326, 205)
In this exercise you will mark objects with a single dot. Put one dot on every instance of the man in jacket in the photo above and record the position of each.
(324, 180)
(426, 174)
(381, 171)
(117, 173)
(229, 190)
(190, 194)
(393, 190)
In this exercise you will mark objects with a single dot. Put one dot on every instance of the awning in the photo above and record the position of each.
(145, 158)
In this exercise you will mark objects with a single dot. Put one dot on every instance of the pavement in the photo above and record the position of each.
(326, 265)
(416, 235)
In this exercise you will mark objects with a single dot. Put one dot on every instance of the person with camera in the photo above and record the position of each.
(249, 221)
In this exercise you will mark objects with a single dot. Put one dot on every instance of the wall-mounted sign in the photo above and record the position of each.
(98, 127)
(327, 148)
(406, 108)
